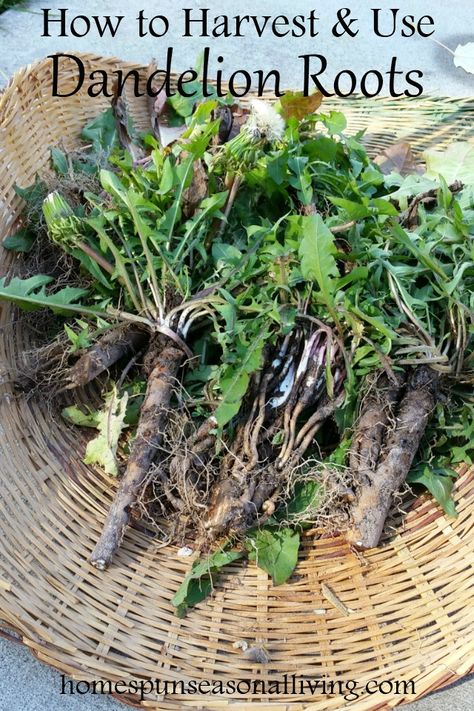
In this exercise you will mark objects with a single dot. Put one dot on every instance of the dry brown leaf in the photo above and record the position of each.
(158, 109)
(122, 123)
(398, 158)
(294, 104)
(197, 191)
(410, 217)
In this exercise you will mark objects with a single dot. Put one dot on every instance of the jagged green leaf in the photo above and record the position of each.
(300, 178)
(102, 450)
(30, 294)
(440, 482)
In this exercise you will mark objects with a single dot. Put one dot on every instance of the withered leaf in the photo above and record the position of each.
(294, 104)
(398, 158)
(410, 217)
(123, 126)
(159, 103)
(159, 112)
(197, 191)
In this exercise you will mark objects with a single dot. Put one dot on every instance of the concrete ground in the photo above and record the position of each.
(25, 684)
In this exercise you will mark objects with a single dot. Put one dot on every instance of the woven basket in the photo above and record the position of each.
(411, 616)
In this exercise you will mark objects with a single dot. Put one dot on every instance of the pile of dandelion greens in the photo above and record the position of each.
(282, 331)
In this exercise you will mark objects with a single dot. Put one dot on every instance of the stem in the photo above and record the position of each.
(342, 228)
(123, 276)
(98, 258)
(149, 260)
(406, 310)
(148, 306)
(177, 202)
(315, 422)
(257, 425)
(319, 416)
(283, 280)
(234, 189)
(218, 226)
(122, 316)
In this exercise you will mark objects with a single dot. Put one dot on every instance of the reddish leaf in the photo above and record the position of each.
(294, 104)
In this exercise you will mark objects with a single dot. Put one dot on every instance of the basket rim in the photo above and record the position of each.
(442, 679)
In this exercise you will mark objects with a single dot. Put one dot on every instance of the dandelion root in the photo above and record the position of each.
(109, 349)
(150, 432)
(401, 443)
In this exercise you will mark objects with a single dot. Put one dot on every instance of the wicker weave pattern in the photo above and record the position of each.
(411, 600)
